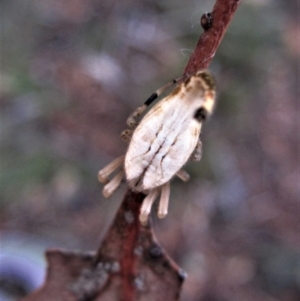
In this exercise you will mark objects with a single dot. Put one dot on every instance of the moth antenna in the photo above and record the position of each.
(164, 200)
(109, 169)
(146, 206)
(113, 184)
(183, 175)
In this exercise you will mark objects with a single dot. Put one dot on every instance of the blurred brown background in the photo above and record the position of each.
(71, 73)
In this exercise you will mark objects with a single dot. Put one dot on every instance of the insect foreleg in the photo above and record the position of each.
(126, 135)
(131, 122)
(197, 154)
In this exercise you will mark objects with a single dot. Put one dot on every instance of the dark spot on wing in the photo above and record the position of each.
(201, 114)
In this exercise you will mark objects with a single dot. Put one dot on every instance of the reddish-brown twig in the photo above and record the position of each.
(210, 39)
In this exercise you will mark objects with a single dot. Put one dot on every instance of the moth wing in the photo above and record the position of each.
(176, 156)
(161, 144)
(136, 159)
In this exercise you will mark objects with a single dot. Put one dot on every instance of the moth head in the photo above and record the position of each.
(204, 83)
(207, 79)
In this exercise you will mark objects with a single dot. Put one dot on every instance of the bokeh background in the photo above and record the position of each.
(71, 73)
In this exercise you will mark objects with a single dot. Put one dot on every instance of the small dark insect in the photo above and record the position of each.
(206, 21)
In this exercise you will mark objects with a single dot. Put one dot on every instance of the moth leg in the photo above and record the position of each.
(113, 184)
(126, 135)
(109, 169)
(183, 175)
(197, 154)
(164, 200)
(131, 122)
(146, 206)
